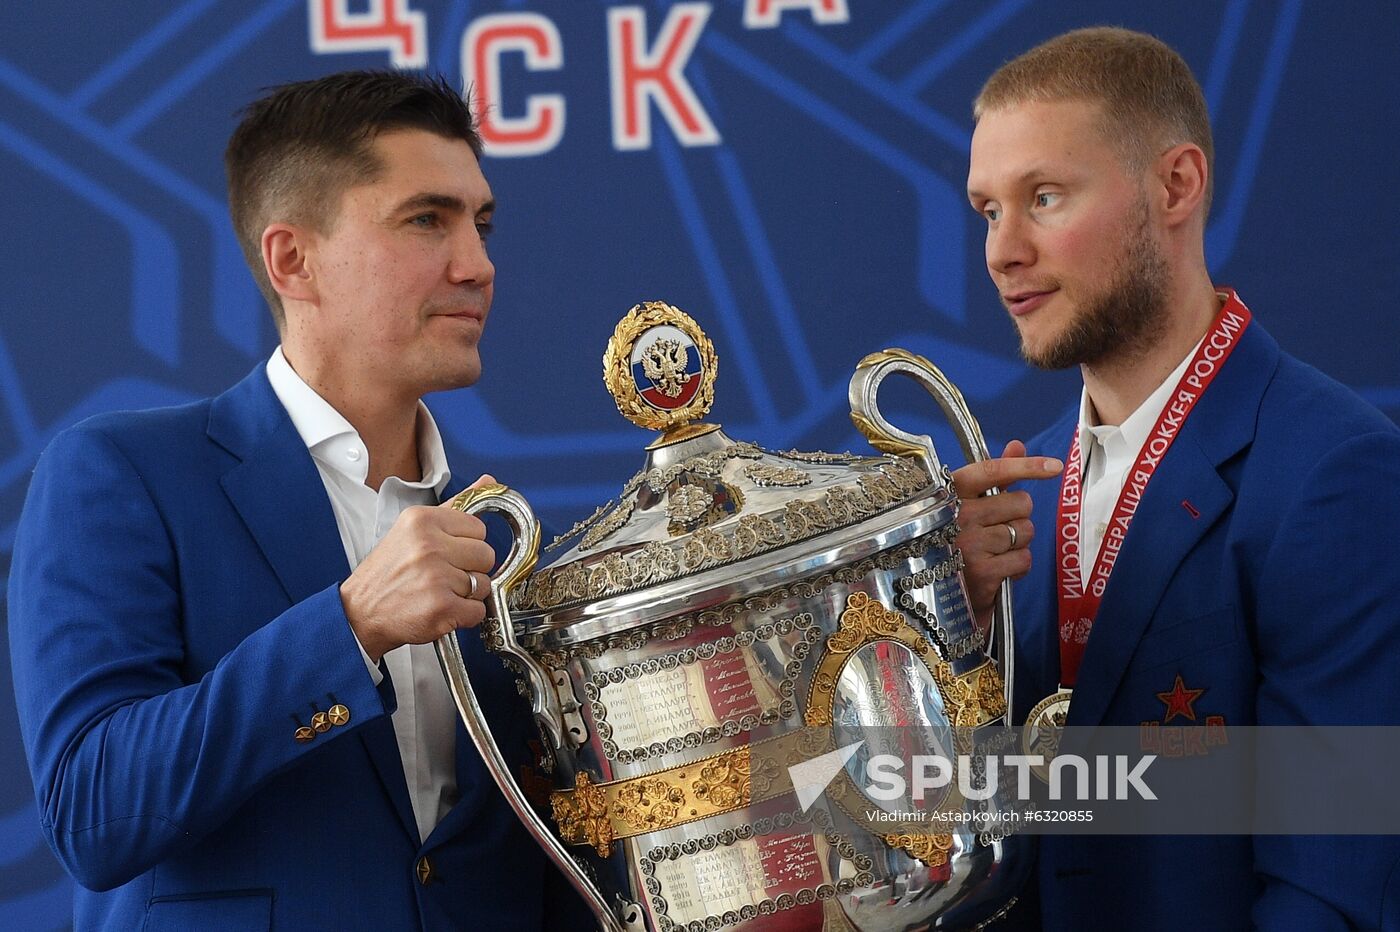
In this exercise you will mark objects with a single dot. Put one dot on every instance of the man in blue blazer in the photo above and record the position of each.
(1214, 553)
(219, 613)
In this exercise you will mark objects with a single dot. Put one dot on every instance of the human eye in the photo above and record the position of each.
(427, 220)
(484, 228)
(987, 208)
(1046, 198)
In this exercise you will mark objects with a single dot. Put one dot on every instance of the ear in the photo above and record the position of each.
(284, 254)
(1183, 173)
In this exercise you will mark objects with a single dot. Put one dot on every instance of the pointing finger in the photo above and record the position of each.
(976, 478)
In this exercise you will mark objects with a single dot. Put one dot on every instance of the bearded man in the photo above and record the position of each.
(1210, 553)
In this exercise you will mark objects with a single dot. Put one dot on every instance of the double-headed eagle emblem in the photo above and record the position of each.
(660, 369)
(664, 363)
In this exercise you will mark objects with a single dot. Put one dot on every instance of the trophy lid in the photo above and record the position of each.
(703, 501)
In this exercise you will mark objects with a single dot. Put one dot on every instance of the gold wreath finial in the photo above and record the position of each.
(660, 369)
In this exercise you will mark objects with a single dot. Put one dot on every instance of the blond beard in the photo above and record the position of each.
(1124, 319)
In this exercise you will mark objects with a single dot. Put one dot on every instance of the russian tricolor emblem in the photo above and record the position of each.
(666, 368)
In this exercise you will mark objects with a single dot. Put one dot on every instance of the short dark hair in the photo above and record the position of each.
(1150, 98)
(301, 146)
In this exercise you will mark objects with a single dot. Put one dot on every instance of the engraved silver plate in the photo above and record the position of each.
(699, 695)
(730, 877)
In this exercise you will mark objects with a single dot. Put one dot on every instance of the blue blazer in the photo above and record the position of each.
(1260, 568)
(174, 618)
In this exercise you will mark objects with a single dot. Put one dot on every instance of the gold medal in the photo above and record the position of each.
(1041, 734)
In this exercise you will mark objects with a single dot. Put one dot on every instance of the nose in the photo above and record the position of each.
(470, 263)
(1009, 244)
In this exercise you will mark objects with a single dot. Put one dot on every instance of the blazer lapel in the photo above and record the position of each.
(382, 746)
(1161, 535)
(278, 492)
(1164, 530)
(512, 729)
(473, 782)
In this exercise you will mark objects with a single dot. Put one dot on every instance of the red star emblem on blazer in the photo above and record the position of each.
(1178, 700)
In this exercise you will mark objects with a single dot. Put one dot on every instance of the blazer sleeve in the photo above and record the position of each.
(130, 761)
(1328, 645)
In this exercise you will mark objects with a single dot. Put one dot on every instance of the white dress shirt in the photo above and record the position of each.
(425, 721)
(1107, 453)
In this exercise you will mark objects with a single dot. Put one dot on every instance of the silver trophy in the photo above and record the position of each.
(711, 635)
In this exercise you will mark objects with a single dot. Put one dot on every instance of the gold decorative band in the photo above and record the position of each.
(600, 813)
(931, 849)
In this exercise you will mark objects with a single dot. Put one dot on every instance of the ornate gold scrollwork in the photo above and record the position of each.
(884, 485)
(971, 699)
(673, 629)
(599, 814)
(863, 621)
(582, 814)
(600, 531)
(724, 782)
(732, 781)
(768, 475)
(649, 803)
(687, 504)
(931, 849)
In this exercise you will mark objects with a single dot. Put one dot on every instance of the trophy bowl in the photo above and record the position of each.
(704, 647)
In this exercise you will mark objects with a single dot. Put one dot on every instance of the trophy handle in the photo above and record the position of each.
(500, 634)
(498, 629)
(885, 437)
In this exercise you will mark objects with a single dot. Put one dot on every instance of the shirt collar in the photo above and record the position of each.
(1136, 428)
(334, 442)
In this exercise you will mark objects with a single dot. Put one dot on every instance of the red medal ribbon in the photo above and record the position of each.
(1079, 604)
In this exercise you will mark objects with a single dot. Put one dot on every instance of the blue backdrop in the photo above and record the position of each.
(790, 172)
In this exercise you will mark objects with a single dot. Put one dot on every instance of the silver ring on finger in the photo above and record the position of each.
(471, 578)
(1011, 530)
